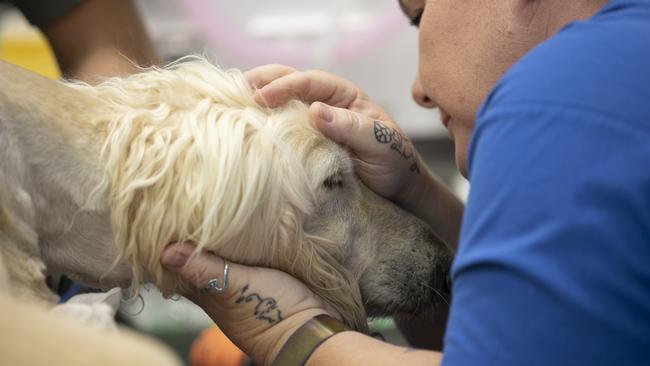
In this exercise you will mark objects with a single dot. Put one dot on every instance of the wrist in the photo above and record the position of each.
(430, 200)
(415, 191)
(282, 332)
(301, 343)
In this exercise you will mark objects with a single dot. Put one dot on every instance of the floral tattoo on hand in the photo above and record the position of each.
(399, 143)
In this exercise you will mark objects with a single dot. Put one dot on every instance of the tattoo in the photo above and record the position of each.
(399, 143)
(265, 308)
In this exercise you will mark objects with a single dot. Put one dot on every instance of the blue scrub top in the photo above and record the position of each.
(553, 265)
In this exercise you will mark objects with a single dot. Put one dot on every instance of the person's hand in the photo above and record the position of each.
(260, 308)
(386, 160)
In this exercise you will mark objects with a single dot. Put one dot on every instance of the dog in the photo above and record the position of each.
(105, 176)
(29, 327)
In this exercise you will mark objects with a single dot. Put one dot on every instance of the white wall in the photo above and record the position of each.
(384, 66)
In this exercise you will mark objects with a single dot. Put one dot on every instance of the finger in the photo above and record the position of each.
(308, 86)
(348, 128)
(262, 75)
(198, 268)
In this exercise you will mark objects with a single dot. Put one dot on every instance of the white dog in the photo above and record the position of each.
(105, 176)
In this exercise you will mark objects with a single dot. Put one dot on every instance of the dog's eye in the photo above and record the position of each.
(333, 181)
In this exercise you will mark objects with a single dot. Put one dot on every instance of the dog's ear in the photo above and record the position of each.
(50, 122)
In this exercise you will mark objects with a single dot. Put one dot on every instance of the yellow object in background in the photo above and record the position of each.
(24, 45)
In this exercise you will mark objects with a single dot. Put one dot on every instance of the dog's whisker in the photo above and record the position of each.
(438, 293)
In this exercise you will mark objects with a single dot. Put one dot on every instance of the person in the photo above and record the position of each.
(547, 104)
(92, 38)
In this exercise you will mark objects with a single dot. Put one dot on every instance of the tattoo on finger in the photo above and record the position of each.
(266, 308)
(399, 143)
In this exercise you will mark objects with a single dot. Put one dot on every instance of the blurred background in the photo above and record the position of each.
(367, 41)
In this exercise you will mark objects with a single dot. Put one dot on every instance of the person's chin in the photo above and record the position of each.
(460, 139)
(446, 123)
(461, 158)
(462, 168)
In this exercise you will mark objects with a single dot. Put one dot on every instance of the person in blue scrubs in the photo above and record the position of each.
(548, 104)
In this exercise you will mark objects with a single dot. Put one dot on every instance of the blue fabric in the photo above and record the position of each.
(553, 265)
(75, 289)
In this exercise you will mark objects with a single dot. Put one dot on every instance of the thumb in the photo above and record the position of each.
(346, 127)
(200, 267)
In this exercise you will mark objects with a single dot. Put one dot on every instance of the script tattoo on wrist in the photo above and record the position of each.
(266, 308)
(399, 143)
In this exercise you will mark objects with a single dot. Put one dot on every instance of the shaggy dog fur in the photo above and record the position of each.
(190, 156)
(185, 154)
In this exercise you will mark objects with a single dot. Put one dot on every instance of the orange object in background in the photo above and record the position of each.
(213, 348)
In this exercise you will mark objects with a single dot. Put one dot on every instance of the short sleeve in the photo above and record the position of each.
(554, 260)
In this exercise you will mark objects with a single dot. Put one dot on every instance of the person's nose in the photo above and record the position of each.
(420, 96)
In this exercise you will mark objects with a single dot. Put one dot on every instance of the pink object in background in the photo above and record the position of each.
(221, 34)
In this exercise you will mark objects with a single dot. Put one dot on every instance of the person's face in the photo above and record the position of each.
(465, 47)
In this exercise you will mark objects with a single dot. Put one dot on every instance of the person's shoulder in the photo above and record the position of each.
(599, 64)
(587, 83)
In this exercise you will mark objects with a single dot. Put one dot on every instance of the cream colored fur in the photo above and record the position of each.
(190, 156)
(113, 173)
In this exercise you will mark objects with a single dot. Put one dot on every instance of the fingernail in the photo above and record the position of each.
(267, 96)
(325, 113)
(173, 259)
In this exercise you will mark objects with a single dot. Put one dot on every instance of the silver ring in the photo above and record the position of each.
(213, 284)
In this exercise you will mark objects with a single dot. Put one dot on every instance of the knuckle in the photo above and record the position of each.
(318, 73)
(282, 66)
(353, 118)
(276, 65)
(349, 121)
(313, 72)
(200, 275)
(280, 70)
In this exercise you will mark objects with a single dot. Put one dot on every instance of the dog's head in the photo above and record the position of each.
(189, 156)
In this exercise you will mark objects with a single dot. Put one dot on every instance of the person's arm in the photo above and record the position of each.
(100, 37)
(235, 310)
(353, 349)
(433, 202)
